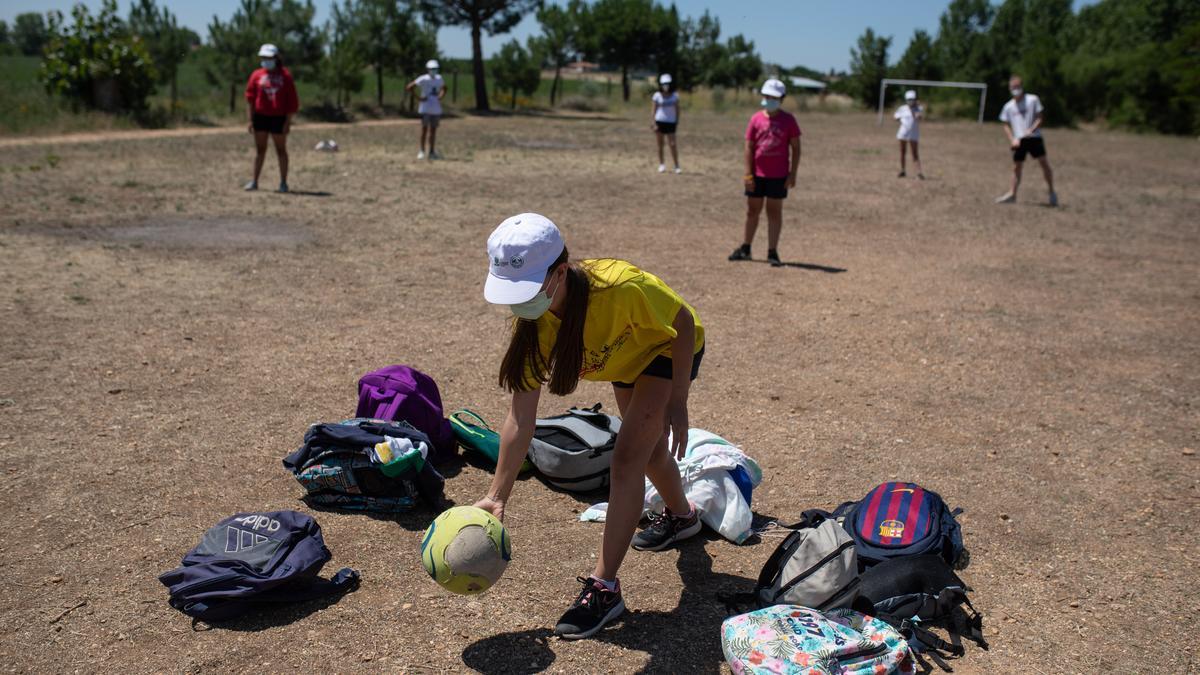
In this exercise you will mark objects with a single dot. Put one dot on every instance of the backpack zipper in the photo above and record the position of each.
(207, 582)
(809, 572)
(877, 650)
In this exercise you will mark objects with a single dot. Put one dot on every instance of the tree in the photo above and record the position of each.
(515, 69)
(167, 43)
(961, 39)
(97, 62)
(29, 33)
(699, 51)
(559, 41)
(1046, 37)
(494, 16)
(625, 31)
(918, 63)
(868, 65)
(342, 67)
(390, 39)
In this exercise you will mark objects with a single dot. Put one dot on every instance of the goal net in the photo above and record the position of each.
(883, 85)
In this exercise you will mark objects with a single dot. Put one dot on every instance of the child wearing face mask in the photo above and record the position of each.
(271, 101)
(772, 158)
(431, 89)
(664, 107)
(601, 320)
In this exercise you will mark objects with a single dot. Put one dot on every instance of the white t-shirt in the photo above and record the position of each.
(910, 129)
(1021, 115)
(428, 87)
(667, 107)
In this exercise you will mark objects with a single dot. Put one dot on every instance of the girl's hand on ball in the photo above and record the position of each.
(492, 506)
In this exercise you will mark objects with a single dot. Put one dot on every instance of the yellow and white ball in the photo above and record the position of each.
(465, 550)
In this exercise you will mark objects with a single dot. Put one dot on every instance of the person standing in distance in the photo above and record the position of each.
(1023, 116)
(602, 320)
(772, 158)
(665, 111)
(271, 101)
(909, 115)
(431, 88)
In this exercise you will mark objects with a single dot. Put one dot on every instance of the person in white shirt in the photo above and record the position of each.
(664, 108)
(431, 88)
(909, 115)
(1023, 116)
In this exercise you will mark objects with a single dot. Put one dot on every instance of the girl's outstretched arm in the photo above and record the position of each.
(515, 436)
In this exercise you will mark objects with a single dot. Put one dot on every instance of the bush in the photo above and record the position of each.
(96, 62)
(590, 98)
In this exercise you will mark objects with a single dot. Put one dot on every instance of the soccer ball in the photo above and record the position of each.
(465, 550)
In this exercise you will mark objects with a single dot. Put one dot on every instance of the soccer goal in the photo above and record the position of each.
(931, 83)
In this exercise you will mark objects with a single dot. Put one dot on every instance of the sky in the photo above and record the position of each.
(813, 33)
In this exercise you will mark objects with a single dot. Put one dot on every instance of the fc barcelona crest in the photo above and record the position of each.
(891, 528)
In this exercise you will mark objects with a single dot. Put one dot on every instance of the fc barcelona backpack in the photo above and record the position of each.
(897, 520)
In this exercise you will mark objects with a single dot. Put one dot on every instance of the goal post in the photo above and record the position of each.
(932, 83)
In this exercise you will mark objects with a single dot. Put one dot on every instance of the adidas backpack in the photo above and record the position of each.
(573, 451)
(251, 560)
(340, 467)
(896, 520)
(815, 566)
(404, 393)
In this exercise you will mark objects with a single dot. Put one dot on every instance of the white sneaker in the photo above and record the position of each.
(678, 170)
(421, 155)
(662, 168)
(1053, 199)
(1006, 198)
(251, 186)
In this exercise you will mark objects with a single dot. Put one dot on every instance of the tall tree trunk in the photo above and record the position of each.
(625, 82)
(481, 98)
(379, 83)
(174, 93)
(513, 105)
(232, 97)
(554, 87)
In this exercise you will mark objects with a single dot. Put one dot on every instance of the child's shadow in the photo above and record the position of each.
(686, 639)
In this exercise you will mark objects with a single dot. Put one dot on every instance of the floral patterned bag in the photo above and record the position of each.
(802, 641)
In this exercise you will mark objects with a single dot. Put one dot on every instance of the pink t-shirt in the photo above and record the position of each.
(771, 136)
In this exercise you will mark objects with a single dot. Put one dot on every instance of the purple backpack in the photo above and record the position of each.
(402, 393)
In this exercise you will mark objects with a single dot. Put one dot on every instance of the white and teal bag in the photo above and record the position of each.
(801, 641)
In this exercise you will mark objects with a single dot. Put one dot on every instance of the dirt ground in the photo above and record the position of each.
(167, 338)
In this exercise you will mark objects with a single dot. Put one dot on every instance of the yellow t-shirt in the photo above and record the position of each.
(629, 322)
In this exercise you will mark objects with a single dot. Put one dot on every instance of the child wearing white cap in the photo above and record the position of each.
(271, 102)
(602, 320)
(772, 156)
(909, 116)
(431, 89)
(664, 107)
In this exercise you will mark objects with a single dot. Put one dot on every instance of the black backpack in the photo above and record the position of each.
(925, 588)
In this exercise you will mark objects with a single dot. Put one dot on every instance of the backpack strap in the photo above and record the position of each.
(454, 417)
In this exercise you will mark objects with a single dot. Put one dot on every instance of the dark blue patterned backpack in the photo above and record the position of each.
(897, 520)
(251, 560)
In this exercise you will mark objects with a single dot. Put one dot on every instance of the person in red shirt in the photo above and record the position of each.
(772, 158)
(271, 101)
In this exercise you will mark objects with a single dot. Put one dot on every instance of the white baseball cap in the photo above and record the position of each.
(910, 95)
(665, 78)
(773, 87)
(520, 252)
(268, 50)
(432, 63)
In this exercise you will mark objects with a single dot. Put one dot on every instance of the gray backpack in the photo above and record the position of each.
(816, 567)
(573, 451)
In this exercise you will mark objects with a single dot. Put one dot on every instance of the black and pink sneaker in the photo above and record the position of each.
(594, 607)
(665, 529)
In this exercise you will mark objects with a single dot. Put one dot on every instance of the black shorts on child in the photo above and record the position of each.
(269, 123)
(1032, 145)
(771, 188)
(664, 367)
(665, 127)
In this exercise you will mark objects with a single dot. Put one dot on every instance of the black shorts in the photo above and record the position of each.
(664, 367)
(771, 188)
(665, 127)
(269, 123)
(1033, 146)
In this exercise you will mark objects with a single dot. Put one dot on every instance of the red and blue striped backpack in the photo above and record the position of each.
(897, 520)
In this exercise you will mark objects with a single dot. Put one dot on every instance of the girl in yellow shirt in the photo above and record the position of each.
(602, 320)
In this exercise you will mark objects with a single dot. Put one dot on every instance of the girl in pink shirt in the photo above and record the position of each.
(772, 158)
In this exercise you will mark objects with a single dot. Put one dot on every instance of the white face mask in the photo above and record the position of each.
(269, 64)
(433, 72)
(770, 104)
(533, 308)
(1017, 91)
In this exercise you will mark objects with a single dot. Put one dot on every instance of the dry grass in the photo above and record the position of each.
(167, 338)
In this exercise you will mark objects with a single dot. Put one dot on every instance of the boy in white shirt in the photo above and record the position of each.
(1023, 117)
(909, 115)
(665, 109)
(431, 88)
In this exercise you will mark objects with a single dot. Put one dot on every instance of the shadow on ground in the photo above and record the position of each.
(684, 640)
(809, 266)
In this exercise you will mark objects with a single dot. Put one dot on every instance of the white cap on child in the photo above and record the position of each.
(520, 252)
